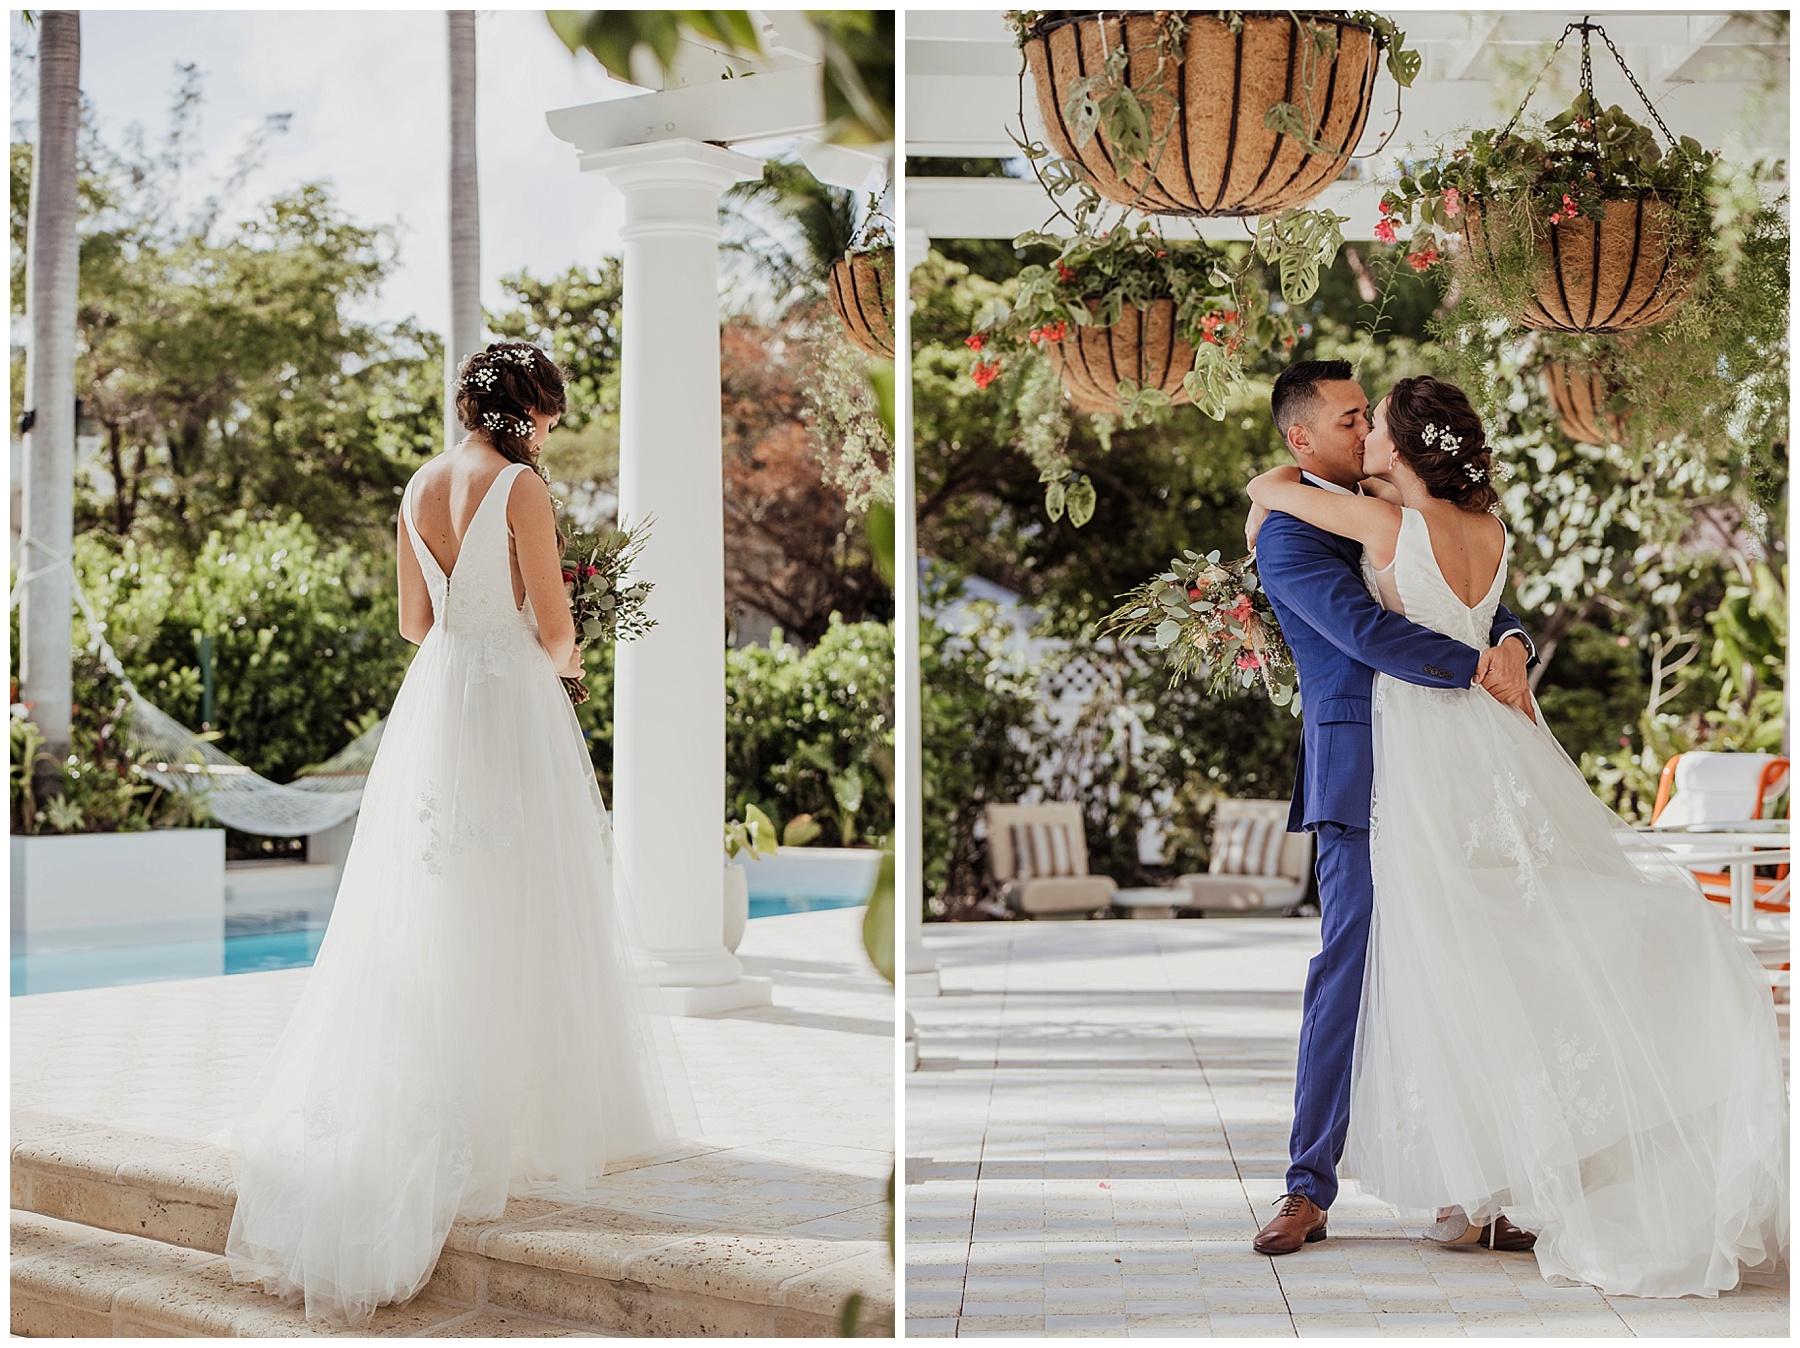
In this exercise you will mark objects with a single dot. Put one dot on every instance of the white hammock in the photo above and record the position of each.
(177, 759)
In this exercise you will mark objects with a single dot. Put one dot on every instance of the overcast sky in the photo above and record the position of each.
(367, 94)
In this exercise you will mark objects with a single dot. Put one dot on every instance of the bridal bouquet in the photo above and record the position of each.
(606, 606)
(1215, 621)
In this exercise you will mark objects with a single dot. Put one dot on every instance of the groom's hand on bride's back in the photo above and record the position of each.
(1501, 671)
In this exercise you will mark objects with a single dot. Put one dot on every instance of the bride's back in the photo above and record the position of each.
(446, 495)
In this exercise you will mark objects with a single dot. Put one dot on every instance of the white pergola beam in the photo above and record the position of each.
(1702, 28)
(767, 106)
(1460, 56)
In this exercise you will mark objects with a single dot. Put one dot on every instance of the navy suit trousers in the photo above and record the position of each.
(1328, 1020)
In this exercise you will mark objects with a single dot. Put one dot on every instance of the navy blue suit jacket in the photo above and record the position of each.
(1340, 637)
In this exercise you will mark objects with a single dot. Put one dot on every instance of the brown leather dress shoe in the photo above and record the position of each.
(1299, 1222)
(1501, 1234)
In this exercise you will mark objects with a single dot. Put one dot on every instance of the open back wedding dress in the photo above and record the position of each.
(1555, 1024)
(475, 1023)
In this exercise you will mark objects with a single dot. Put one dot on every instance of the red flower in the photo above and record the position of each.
(1421, 260)
(976, 341)
(1194, 592)
(1385, 231)
(1249, 660)
(1387, 207)
(1231, 315)
(1055, 332)
(1063, 272)
(1208, 337)
(568, 577)
(984, 373)
(1569, 211)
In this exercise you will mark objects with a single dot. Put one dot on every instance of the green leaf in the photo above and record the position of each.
(1167, 631)
(1054, 496)
(1081, 499)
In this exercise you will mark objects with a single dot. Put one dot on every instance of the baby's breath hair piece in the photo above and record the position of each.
(482, 379)
(500, 421)
(522, 355)
(1433, 434)
(1475, 474)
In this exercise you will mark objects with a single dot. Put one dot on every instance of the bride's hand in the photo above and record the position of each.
(1253, 524)
(574, 669)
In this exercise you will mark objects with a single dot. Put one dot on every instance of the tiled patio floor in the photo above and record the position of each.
(1099, 1126)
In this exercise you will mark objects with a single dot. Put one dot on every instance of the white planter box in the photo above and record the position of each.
(89, 890)
(813, 872)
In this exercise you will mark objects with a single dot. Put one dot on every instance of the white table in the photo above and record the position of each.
(1738, 849)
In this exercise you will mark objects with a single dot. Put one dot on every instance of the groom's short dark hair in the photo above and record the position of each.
(1297, 388)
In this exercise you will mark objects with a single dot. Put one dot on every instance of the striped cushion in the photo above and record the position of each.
(1041, 850)
(1249, 846)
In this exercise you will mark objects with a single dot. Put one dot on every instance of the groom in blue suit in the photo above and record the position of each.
(1340, 638)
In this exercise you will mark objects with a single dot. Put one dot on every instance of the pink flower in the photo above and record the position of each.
(1423, 259)
(1385, 231)
(1248, 660)
(1452, 201)
(1387, 207)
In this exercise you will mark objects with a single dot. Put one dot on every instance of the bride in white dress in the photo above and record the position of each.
(476, 1023)
(1555, 1025)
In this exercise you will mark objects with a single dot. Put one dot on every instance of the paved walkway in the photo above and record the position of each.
(795, 1101)
(1099, 1126)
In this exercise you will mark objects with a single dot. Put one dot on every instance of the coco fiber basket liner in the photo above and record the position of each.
(1141, 346)
(1219, 158)
(1630, 270)
(862, 293)
(1578, 392)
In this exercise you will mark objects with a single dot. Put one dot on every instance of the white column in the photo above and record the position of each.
(669, 698)
(921, 968)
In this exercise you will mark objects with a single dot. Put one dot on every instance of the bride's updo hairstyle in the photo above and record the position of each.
(1440, 437)
(498, 389)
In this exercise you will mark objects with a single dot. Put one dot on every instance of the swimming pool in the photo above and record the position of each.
(251, 946)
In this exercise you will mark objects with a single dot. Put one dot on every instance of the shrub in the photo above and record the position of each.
(813, 732)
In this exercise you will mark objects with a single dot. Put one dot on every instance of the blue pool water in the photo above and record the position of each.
(264, 946)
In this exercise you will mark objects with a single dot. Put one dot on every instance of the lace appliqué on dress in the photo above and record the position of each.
(1506, 831)
(1566, 1103)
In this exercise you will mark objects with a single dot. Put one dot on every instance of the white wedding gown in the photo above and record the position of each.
(475, 1023)
(1554, 1024)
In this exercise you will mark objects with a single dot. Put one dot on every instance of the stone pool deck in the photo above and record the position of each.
(772, 1221)
(1098, 1127)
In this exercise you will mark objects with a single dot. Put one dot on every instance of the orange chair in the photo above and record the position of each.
(1717, 788)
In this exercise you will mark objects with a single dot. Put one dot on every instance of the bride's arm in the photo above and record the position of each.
(532, 518)
(1373, 523)
(415, 598)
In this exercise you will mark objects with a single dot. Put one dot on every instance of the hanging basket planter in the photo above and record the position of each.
(1630, 270)
(1583, 224)
(1141, 347)
(1580, 393)
(1211, 113)
(862, 294)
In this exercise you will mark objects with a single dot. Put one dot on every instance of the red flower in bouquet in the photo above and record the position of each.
(1233, 641)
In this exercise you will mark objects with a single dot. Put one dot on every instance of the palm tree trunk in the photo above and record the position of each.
(46, 683)
(465, 216)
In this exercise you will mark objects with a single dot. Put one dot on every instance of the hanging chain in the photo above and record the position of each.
(1655, 116)
(1555, 51)
(1587, 88)
(1586, 27)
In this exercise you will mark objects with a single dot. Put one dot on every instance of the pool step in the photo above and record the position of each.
(165, 1207)
(74, 1281)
